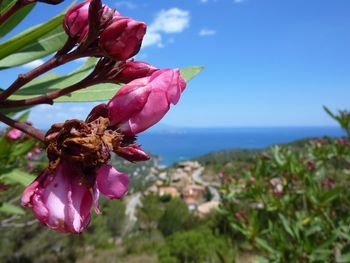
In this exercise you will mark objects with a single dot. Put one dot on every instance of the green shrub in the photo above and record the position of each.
(293, 205)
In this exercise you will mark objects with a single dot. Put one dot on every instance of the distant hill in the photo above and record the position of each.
(238, 154)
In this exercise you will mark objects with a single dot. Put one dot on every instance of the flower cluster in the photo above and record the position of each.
(79, 151)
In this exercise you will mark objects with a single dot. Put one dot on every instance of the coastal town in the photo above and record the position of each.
(184, 180)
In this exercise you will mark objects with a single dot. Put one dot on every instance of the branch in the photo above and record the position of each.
(101, 74)
(48, 97)
(37, 134)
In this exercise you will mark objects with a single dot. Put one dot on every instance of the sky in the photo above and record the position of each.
(267, 62)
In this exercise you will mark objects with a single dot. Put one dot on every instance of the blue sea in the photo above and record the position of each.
(176, 144)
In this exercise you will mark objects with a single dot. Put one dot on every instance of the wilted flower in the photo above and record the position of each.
(61, 197)
(143, 102)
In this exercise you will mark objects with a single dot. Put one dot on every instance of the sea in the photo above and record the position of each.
(178, 144)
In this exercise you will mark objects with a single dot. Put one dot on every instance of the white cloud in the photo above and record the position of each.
(173, 20)
(207, 32)
(151, 38)
(127, 4)
(33, 64)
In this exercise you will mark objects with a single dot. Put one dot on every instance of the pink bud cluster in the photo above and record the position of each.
(119, 38)
(62, 196)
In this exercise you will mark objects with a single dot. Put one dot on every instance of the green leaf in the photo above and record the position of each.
(189, 73)
(15, 19)
(24, 116)
(18, 176)
(329, 196)
(13, 111)
(101, 92)
(29, 37)
(11, 209)
(20, 149)
(286, 225)
(5, 5)
(265, 245)
(329, 112)
(343, 258)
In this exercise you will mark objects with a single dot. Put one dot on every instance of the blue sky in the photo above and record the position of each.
(267, 62)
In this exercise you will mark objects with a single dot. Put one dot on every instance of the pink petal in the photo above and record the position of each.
(59, 200)
(96, 196)
(156, 107)
(111, 183)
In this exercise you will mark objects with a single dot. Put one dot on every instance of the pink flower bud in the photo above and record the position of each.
(133, 153)
(76, 20)
(143, 102)
(51, 2)
(14, 134)
(98, 111)
(122, 38)
(135, 70)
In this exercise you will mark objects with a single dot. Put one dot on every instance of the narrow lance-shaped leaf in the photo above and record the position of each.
(15, 19)
(17, 176)
(5, 5)
(8, 208)
(100, 92)
(29, 36)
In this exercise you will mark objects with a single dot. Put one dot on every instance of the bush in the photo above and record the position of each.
(195, 246)
(293, 205)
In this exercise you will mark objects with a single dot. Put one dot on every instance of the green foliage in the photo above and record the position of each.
(15, 19)
(51, 82)
(195, 246)
(343, 119)
(189, 73)
(11, 209)
(27, 38)
(149, 213)
(175, 217)
(292, 205)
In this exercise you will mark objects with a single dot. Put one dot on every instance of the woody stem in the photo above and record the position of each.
(27, 129)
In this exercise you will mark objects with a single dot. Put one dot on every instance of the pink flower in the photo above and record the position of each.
(135, 70)
(143, 102)
(63, 202)
(122, 38)
(14, 134)
(76, 20)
